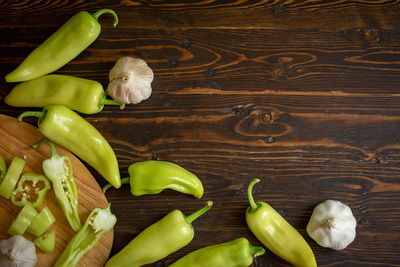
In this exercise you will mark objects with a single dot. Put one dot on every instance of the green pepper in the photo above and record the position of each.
(98, 222)
(3, 168)
(46, 241)
(85, 96)
(59, 170)
(41, 222)
(61, 47)
(276, 233)
(157, 241)
(236, 253)
(153, 176)
(23, 220)
(10, 180)
(66, 128)
(32, 188)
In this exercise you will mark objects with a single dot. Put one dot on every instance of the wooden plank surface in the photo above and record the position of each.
(303, 94)
(16, 140)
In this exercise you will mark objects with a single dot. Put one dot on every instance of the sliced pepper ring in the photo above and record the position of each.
(32, 188)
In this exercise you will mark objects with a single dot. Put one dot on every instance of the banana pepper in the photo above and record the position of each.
(153, 176)
(59, 170)
(85, 96)
(66, 128)
(276, 233)
(157, 241)
(236, 253)
(61, 47)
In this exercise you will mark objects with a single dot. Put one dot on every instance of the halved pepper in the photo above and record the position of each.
(46, 241)
(41, 222)
(59, 171)
(10, 180)
(99, 221)
(236, 253)
(3, 168)
(153, 176)
(160, 239)
(23, 220)
(32, 188)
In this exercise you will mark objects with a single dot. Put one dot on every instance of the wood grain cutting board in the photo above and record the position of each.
(16, 139)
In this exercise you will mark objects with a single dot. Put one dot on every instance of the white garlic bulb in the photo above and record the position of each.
(17, 252)
(332, 225)
(130, 80)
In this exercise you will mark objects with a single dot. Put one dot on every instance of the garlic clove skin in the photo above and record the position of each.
(130, 80)
(332, 225)
(17, 252)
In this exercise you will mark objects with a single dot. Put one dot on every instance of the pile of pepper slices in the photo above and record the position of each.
(59, 95)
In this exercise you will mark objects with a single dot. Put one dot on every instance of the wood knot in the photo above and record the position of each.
(278, 9)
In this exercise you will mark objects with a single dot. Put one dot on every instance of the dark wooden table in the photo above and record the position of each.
(302, 94)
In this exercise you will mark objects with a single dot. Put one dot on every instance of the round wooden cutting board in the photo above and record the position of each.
(16, 139)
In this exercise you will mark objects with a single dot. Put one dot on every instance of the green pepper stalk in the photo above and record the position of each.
(10, 180)
(153, 176)
(3, 168)
(236, 253)
(61, 47)
(159, 240)
(276, 233)
(85, 96)
(32, 188)
(66, 128)
(59, 170)
(99, 221)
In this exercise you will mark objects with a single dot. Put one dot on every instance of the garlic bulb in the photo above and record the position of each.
(130, 80)
(332, 225)
(17, 252)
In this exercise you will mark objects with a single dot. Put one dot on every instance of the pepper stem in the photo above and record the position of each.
(100, 12)
(189, 219)
(123, 181)
(256, 251)
(104, 101)
(53, 149)
(253, 204)
(38, 114)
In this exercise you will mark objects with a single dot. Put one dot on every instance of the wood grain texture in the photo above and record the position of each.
(302, 94)
(16, 140)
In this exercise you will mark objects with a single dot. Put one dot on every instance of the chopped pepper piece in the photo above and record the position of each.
(99, 221)
(3, 168)
(23, 220)
(12, 176)
(59, 170)
(41, 222)
(32, 188)
(46, 241)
